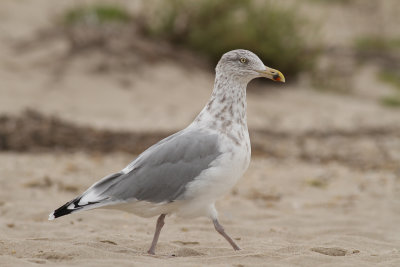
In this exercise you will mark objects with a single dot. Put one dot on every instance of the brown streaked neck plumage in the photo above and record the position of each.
(226, 109)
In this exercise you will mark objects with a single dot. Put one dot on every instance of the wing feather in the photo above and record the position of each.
(161, 173)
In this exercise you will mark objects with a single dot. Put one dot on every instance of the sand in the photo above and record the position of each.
(323, 188)
(280, 213)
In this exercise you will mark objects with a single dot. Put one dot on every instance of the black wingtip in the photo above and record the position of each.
(65, 209)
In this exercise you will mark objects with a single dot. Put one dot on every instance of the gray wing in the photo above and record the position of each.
(162, 172)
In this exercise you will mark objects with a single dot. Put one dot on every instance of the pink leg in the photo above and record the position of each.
(221, 230)
(159, 225)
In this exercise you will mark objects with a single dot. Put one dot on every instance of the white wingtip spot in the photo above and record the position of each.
(51, 216)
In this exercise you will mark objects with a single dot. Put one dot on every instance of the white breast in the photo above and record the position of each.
(218, 180)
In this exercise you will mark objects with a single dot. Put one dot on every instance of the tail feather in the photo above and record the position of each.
(90, 199)
(73, 206)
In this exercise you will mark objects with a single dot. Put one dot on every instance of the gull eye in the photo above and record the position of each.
(243, 60)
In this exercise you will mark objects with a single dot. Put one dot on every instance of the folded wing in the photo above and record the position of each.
(159, 174)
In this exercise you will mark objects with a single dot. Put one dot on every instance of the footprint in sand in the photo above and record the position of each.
(335, 251)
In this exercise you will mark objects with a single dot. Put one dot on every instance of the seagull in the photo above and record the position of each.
(185, 173)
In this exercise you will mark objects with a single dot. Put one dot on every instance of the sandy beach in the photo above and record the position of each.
(280, 213)
(322, 189)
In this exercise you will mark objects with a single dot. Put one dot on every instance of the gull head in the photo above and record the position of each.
(246, 66)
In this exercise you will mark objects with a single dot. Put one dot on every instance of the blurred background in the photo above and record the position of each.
(86, 85)
(147, 67)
